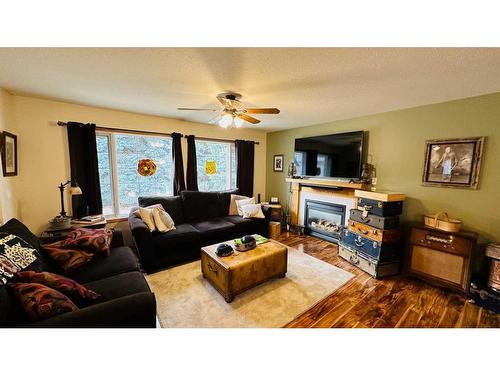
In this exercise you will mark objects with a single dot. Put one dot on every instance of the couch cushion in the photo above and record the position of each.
(183, 235)
(225, 202)
(172, 205)
(117, 286)
(214, 229)
(198, 206)
(14, 226)
(5, 305)
(121, 259)
(245, 226)
(42, 302)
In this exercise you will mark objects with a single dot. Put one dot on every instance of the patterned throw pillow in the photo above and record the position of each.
(41, 302)
(15, 255)
(67, 259)
(57, 282)
(96, 241)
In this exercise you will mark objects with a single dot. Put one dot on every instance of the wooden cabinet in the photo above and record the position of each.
(439, 257)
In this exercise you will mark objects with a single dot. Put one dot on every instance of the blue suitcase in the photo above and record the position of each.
(381, 251)
(380, 208)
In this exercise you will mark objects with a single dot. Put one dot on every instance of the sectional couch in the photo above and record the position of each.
(126, 300)
(201, 218)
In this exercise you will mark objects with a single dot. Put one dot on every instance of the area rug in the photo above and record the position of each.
(185, 299)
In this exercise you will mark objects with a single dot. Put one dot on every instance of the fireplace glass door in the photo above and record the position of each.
(324, 220)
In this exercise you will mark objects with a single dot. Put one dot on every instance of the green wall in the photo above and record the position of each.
(396, 147)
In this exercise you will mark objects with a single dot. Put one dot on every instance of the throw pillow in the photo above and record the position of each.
(67, 259)
(92, 240)
(252, 210)
(233, 208)
(162, 219)
(57, 282)
(146, 215)
(41, 302)
(243, 202)
(15, 255)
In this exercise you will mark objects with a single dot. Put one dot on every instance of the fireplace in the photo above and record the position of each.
(324, 220)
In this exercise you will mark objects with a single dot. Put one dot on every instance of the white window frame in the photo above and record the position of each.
(229, 161)
(113, 166)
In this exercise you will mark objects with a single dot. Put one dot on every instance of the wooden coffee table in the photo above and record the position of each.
(240, 271)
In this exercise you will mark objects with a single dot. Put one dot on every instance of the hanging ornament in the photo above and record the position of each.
(210, 167)
(146, 167)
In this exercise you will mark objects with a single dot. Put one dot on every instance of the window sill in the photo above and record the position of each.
(116, 219)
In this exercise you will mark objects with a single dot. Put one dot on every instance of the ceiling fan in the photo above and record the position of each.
(233, 113)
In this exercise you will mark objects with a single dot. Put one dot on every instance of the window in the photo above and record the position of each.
(121, 184)
(216, 165)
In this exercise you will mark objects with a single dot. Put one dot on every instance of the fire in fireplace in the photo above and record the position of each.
(324, 220)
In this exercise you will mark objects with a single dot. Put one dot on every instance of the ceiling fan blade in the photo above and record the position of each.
(229, 103)
(196, 109)
(270, 111)
(247, 118)
(215, 120)
(226, 103)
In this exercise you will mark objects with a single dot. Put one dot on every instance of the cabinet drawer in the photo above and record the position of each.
(441, 241)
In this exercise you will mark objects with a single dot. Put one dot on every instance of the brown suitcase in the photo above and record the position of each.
(240, 271)
(375, 234)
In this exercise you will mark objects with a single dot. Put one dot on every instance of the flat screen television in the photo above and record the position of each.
(330, 156)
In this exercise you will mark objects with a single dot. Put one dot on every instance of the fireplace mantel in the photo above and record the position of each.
(327, 183)
(320, 186)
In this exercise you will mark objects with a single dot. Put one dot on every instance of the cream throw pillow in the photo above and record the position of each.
(243, 202)
(252, 210)
(162, 219)
(233, 208)
(146, 215)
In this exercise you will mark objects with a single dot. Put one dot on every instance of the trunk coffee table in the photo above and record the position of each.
(240, 271)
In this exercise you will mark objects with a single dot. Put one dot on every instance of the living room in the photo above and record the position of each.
(151, 188)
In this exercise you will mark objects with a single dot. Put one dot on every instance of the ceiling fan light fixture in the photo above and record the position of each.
(226, 121)
(238, 122)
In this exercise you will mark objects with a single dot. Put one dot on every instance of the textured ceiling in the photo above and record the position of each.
(309, 85)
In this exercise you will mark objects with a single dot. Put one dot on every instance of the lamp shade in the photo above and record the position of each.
(75, 190)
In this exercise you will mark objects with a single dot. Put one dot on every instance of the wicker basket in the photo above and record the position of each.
(441, 221)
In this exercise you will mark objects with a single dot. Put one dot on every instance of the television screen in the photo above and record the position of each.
(334, 155)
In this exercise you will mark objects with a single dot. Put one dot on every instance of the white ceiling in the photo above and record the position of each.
(308, 85)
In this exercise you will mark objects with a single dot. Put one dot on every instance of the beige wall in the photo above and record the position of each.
(8, 193)
(44, 157)
(396, 147)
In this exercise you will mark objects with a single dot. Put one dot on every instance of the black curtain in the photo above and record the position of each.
(244, 171)
(191, 173)
(84, 167)
(179, 183)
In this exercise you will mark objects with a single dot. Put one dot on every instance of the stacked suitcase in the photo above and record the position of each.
(372, 239)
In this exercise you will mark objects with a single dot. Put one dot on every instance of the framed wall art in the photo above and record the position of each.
(453, 163)
(8, 146)
(278, 163)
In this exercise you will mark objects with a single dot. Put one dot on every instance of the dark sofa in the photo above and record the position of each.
(201, 218)
(126, 300)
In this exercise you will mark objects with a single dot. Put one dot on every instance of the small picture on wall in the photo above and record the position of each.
(453, 162)
(9, 154)
(278, 163)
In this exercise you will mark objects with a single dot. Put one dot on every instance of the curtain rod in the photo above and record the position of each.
(62, 123)
(132, 131)
(218, 139)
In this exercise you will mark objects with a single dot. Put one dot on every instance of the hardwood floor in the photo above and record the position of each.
(364, 302)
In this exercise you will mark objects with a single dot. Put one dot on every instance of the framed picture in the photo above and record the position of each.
(9, 154)
(278, 163)
(453, 162)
